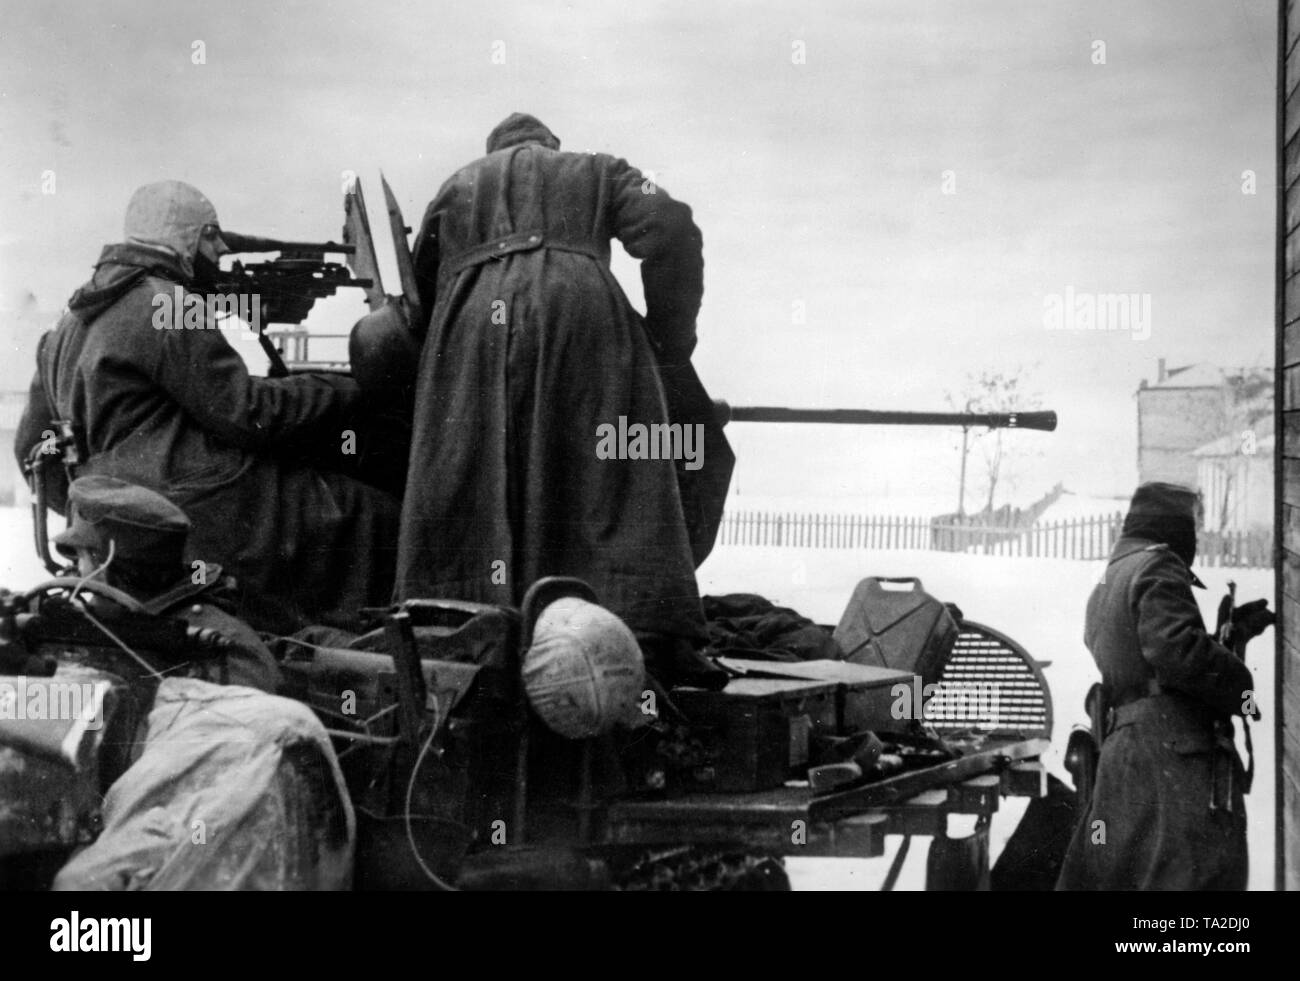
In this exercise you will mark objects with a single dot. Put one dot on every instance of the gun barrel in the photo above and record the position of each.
(1044, 421)
(238, 242)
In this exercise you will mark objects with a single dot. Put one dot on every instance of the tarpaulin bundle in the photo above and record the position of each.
(234, 789)
(747, 625)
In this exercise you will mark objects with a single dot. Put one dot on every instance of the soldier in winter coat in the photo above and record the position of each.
(531, 348)
(176, 410)
(1168, 807)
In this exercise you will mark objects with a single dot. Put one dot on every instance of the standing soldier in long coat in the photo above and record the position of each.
(1168, 808)
(176, 411)
(531, 348)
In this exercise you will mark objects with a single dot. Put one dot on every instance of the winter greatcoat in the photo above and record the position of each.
(1168, 810)
(176, 410)
(531, 347)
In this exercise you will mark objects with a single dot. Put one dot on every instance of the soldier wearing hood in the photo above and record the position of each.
(178, 412)
(531, 349)
(1168, 807)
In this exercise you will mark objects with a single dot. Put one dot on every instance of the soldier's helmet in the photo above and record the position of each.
(1157, 499)
(519, 128)
(141, 527)
(384, 353)
(583, 673)
(173, 217)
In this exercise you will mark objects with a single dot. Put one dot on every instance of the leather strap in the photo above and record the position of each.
(1129, 713)
(1156, 706)
(499, 248)
(1152, 689)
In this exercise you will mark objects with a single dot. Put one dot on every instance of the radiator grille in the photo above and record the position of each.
(990, 685)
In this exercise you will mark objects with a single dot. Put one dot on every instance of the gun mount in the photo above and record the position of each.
(286, 287)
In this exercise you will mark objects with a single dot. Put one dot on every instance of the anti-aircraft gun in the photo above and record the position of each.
(437, 741)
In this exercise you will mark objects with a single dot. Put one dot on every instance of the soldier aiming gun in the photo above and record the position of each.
(259, 464)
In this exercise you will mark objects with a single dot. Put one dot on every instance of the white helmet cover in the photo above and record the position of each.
(169, 216)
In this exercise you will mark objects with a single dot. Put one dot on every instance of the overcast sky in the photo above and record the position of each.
(819, 184)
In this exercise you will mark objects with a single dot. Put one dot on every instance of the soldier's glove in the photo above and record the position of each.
(1248, 622)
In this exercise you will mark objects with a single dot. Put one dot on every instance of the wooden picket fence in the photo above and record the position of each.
(1080, 538)
(824, 530)
(1089, 538)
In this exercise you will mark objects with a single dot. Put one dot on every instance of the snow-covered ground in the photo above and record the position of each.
(1039, 602)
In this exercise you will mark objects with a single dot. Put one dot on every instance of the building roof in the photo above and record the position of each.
(1203, 375)
(1192, 376)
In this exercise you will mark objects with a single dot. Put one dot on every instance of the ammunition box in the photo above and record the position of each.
(865, 694)
(759, 729)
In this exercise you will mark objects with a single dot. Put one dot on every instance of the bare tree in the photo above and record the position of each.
(993, 390)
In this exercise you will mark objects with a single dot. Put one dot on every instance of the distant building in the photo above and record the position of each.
(1211, 428)
(1183, 410)
(1235, 476)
